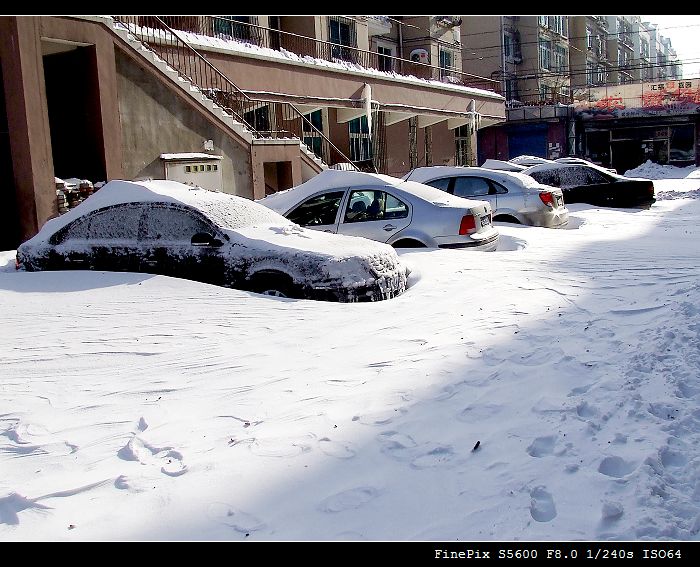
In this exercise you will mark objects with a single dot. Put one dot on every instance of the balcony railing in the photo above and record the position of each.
(278, 40)
(540, 100)
(265, 119)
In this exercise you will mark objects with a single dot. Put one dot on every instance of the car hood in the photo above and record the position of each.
(337, 253)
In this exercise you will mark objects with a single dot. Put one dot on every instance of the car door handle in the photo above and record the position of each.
(389, 227)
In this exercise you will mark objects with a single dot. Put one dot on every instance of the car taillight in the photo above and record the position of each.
(468, 225)
(547, 198)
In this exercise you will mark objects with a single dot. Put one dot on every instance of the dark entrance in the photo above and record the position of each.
(75, 120)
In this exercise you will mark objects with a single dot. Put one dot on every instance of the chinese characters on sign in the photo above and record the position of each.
(644, 99)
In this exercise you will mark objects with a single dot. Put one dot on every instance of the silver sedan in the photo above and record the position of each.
(404, 214)
(514, 197)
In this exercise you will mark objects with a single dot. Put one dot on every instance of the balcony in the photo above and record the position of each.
(308, 48)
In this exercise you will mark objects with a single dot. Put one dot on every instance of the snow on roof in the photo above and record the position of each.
(283, 201)
(425, 174)
(229, 45)
(236, 215)
(529, 160)
(228, 211)
(188, 156)
(502, 165)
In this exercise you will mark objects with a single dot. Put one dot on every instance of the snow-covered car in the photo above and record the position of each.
(404, 214)
(173, 229)
(595, 185)
(513, 197)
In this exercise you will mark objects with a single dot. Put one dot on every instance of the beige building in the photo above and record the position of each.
(276, 98)
(528, 54)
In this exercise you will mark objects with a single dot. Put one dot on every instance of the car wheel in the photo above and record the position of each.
(275, 285)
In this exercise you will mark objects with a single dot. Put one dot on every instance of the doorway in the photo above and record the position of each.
(75, 119)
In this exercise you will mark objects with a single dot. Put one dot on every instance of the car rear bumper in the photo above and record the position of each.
(487, 244)
(557, 218)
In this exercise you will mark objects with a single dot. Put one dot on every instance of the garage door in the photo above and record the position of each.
(528, 139)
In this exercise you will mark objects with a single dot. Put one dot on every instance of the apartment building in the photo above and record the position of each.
(530, 56)
(275, 99)
(590, 63)
(606, 87)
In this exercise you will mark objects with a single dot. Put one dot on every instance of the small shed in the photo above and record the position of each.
(194, 168)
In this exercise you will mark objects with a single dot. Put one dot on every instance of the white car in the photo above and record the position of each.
(514, 197)
(404, 214)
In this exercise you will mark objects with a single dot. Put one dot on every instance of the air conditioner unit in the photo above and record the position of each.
(420, 56)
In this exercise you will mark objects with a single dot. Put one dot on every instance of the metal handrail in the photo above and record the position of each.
(264, 119)
(326, 50)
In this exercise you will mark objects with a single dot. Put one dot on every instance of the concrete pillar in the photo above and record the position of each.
(28, 122)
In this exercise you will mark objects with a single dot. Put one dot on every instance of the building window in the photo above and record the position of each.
(590, 73)
(259, 119)
(360, 142)
(589, 38)
(644, 48)
(342, 35)
(543, 21)
(602, 75)
(462, 145)
(385, 61)
(446, 62)
(545, 54)
(561, 56)
(312, 138)
(682, 143)
(237, 27)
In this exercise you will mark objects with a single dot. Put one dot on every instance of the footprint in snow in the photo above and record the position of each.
(140, 451)
(434, 457)
(240, 521)
(397, 445)
(349, 499)
(336, 449)
(615, 467)
(542, 507)
(542, 446)
(279, 446)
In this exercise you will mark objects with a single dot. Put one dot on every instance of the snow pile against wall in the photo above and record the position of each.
(651, 170)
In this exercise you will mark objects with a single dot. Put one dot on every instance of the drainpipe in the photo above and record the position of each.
(401, 47)
(503, 60)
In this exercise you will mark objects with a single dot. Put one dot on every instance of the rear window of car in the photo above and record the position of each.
(547, 177)
(115, 223)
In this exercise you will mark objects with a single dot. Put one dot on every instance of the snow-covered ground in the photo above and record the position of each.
(135, 407)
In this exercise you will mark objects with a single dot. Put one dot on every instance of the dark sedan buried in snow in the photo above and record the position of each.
(595, 185)
(168, 228)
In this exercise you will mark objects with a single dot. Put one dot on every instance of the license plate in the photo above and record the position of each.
(485, 220)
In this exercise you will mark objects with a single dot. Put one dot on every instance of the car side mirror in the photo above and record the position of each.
(205, 239)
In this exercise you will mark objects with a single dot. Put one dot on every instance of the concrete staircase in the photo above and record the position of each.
(196, 93)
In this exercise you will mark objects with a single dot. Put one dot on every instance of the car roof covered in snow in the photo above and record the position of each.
(502, 165)
(283, 201)
(571, 165)
(227, 211)
(429, 173)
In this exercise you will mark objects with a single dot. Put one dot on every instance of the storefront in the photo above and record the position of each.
(624, 126)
